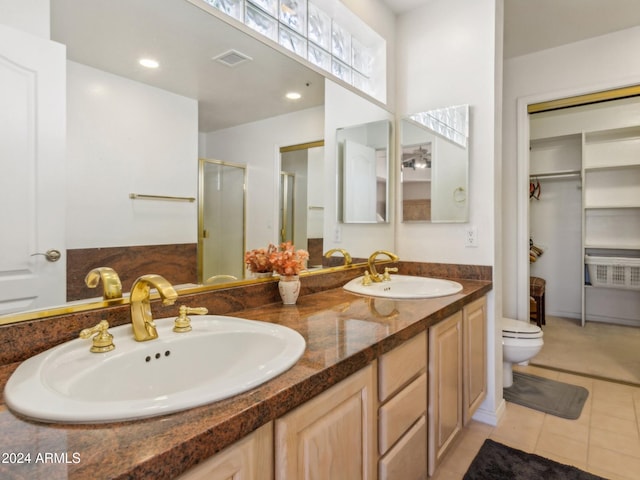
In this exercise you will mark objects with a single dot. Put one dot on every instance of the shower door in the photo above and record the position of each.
(221, 221)
(287, 203)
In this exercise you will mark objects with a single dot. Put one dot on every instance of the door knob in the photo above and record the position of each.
(51, 255)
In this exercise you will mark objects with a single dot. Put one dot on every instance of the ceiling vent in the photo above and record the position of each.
(232, 58)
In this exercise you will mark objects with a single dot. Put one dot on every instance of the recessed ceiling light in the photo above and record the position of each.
(148, 62)
(293, 96)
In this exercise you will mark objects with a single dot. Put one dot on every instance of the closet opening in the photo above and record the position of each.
(584, 231)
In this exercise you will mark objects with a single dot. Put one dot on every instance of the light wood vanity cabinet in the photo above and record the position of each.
(445, 386)
(402, 428)
(427, 389)
(474, 330)
(457, 376)
(332, 435)
(250, 458)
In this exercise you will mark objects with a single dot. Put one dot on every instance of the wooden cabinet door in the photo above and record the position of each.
(248, 459)
(331, 436)
(445, 386)
(475, 356)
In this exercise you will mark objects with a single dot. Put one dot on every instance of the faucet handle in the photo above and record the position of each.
(386, 277)
(183, 323)
(366, 279)
(103, 340)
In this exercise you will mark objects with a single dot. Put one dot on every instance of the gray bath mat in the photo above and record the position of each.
(548, 396)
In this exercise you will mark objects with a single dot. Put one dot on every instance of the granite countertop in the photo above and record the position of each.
(343, 332)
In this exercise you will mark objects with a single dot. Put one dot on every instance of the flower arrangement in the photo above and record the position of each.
(286, 260)
(259, 259)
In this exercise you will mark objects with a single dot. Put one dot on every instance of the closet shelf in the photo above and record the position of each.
(611, 246)
(611, 207)
(610, 166)
(557, 174)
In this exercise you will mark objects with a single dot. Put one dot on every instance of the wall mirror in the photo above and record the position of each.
(204, 95)
(434, 164)
(363, 172)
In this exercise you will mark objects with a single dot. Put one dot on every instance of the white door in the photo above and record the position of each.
(32, 175)
(360, 183)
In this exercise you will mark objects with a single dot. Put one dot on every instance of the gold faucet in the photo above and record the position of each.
(112, 288)
(375, 276)
(345, 254)
(103, 340)
(141, 319)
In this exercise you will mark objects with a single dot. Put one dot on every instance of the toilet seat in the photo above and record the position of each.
(517, 329)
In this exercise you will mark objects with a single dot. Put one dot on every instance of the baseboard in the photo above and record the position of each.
(490, 417)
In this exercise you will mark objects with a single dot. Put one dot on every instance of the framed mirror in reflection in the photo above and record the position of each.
(130, 129)
(363, 166)
(434, 164)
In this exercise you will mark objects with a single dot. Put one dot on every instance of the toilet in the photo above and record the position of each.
(521, 341)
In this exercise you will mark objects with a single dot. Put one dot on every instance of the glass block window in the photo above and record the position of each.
(319, 27)
(233, 8)
(261, 22)
(269, 6)
(357, 56)
(293, 41)
(293, 14)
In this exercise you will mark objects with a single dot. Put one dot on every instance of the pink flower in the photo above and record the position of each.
(287, 260)
(258, 260)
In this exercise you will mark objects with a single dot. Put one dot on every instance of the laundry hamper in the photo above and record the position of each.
(614, 272)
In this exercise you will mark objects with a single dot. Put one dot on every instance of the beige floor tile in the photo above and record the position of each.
(617, 463)
(459, 457)
(597, 349)
(614, 441)
(572, 379)
(524, 444)
(618, 406)
(620, 426)
(444, 474)
(575, 429)
(582, 465)
(540, 372)
(552, 445)
(520, 426)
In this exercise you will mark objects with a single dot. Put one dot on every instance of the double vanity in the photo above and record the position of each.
(361, 386)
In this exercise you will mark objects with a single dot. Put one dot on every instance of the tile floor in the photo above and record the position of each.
(605, 440)
(597, 349)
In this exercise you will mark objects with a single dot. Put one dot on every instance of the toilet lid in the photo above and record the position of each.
(517, 329)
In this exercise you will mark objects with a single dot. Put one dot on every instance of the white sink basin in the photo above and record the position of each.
(405, 287)
(221, 357)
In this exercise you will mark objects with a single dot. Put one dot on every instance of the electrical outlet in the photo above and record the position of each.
(471, 237)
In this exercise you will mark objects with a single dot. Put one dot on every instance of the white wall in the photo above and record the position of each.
(29, 15)
(126, 137)
(445, 57)
(257, 145)
(381, 19)
(595, 64)
(343, 108)
(449, 53)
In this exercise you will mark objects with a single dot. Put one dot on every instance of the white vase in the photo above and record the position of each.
(263, 274)
(289, 287)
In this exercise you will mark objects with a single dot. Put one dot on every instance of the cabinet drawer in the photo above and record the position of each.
(397, 367)
(397, 415)
(407, 459)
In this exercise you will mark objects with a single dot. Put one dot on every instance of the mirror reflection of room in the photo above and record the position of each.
(416, 182)
(363, 158)
(435, 165)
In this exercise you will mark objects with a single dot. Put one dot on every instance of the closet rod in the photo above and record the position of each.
(573, 173)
